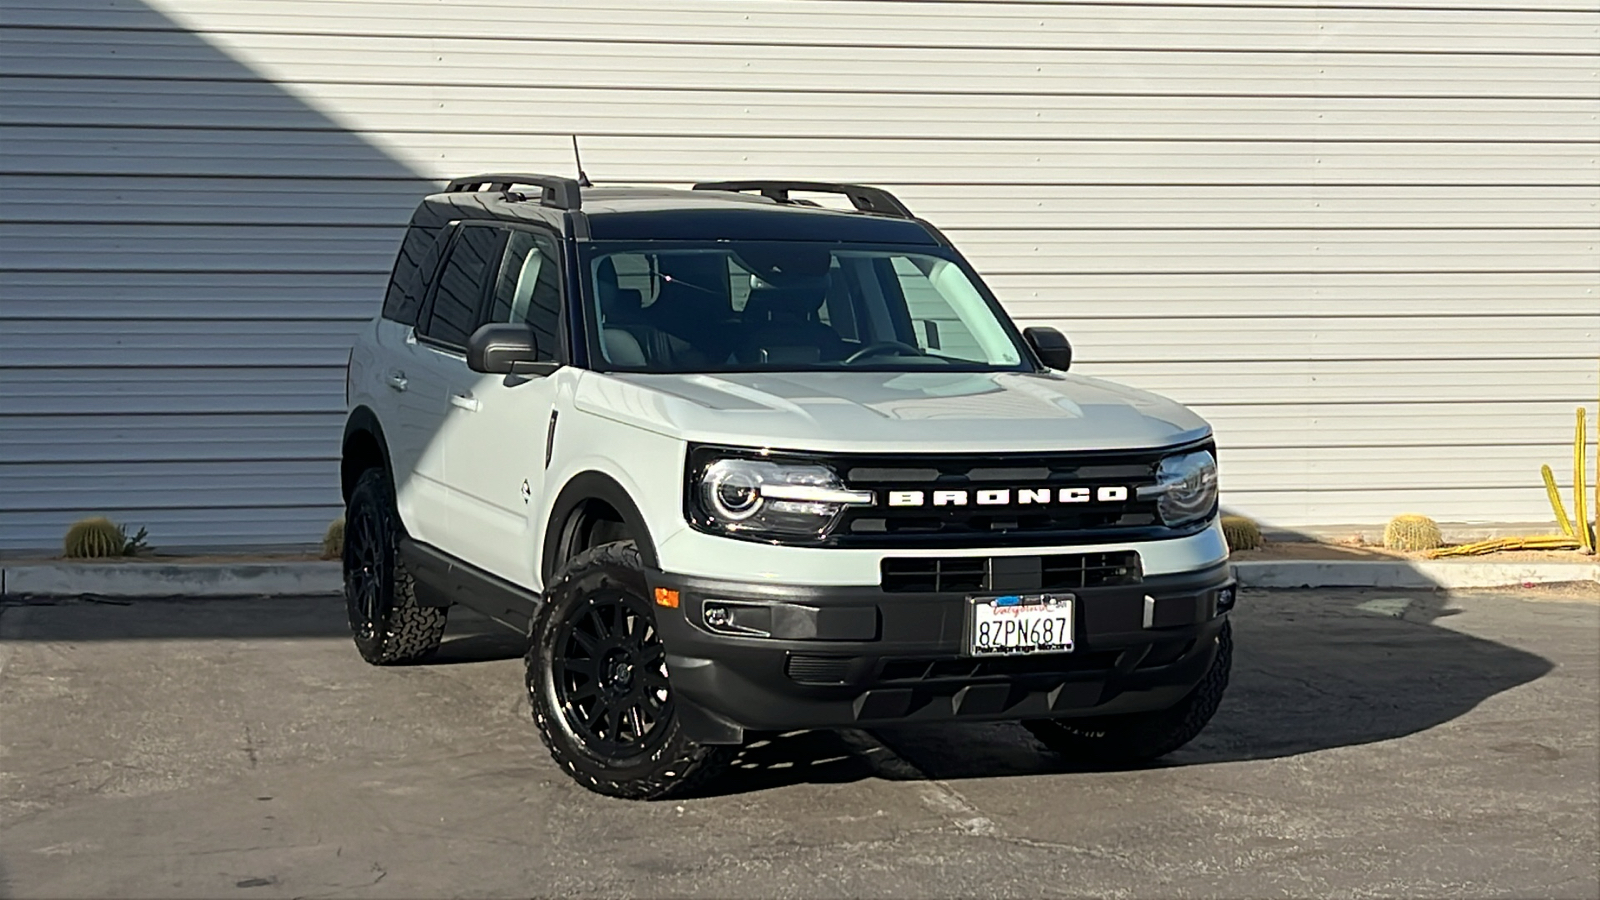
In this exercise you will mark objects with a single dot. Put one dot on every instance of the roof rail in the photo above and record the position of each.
(865, 199)
(555, 191)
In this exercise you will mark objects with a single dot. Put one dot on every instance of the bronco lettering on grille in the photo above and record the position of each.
(1007, 496)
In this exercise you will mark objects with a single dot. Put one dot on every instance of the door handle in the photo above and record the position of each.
(465, 401)
(397, 380)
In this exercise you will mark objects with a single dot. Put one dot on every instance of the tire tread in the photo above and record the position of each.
(409, 632)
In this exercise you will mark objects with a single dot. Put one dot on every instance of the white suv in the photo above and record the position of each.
(737, 462)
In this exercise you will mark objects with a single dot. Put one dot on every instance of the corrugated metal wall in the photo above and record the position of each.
(1364, 241)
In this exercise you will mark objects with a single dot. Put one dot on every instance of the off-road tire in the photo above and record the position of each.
(665, 763)
(1141, 737)
(389, 626)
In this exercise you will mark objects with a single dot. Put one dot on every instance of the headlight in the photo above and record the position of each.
(764, 498)
(1185, 488)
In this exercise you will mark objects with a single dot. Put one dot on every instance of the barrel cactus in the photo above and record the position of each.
(333, 540)
(1241, 533)
(94, 538)
(1412, 532)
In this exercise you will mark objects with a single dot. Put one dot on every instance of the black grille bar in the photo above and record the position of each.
(936, 575)
(968, 574)
(1089, 570)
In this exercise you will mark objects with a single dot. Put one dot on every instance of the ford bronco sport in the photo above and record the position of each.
(738, 462)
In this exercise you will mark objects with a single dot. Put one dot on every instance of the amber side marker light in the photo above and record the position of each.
(667, 597)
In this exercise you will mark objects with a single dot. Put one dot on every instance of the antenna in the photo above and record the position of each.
(583, 180)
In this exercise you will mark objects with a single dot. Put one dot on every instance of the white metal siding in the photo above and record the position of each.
(1364, 242)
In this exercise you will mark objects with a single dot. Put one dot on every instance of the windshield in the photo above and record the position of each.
(789, 305)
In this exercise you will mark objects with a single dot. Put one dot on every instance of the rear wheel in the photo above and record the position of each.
(388, 625)
(599, 687)
(1140, 737)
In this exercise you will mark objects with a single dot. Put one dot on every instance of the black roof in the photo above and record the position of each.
(707, 213)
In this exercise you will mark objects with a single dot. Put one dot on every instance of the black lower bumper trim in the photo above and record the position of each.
(843, 656)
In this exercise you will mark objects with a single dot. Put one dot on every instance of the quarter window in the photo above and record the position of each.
(459, 296)
(418, 257)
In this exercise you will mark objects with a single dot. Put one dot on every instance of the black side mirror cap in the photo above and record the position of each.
(1051, 346)
(503, 349)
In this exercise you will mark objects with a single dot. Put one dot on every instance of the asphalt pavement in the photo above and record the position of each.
(1373, 743)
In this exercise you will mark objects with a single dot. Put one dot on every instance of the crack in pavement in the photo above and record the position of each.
(940, 795)
(890, 766)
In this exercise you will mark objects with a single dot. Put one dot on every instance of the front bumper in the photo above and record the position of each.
(847, 656)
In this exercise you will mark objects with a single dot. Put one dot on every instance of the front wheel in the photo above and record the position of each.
(1140, 737)
(598, 683)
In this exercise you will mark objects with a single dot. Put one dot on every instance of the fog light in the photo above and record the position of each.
(745, 619)
(1225, 599)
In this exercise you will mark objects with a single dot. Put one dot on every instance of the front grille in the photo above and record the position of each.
(968, 574)
(975, 524)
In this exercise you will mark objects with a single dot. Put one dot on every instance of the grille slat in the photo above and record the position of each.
(1058, 572)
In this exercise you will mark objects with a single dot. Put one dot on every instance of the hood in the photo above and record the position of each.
(894, 412)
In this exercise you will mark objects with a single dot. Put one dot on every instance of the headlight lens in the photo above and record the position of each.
(1185, 488)
(764, 498)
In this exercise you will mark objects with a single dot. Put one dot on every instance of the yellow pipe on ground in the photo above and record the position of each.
(1541, 542)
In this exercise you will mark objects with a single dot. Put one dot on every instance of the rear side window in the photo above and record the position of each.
(528, 290)
(458, 297)
(418, 257)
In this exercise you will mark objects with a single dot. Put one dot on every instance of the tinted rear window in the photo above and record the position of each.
(419, 255)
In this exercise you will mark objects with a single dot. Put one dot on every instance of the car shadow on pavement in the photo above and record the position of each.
(1312, 671)
(472, 638)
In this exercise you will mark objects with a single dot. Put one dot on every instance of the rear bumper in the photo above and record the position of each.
(845, 656)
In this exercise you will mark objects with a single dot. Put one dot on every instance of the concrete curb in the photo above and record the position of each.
(1402, 573)
(174, 580)
(198, 580)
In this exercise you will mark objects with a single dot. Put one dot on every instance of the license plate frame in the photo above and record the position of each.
(1025, 609)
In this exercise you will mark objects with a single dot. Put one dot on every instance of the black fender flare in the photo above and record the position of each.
(362, 420)
(593, 485)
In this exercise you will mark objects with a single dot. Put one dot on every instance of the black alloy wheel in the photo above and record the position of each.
(610, 676)
(363, 571)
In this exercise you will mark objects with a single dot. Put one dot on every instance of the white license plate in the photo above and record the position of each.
(1019, 623)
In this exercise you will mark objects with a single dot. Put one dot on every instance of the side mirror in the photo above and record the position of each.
(1051, 346)
(501, 349)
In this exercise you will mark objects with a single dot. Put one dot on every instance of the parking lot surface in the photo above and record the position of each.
(1373, 743)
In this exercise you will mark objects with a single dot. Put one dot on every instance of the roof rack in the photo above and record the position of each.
(865, 199)
(555, 191)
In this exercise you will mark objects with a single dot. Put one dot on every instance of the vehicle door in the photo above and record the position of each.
(499, 452)
(434, 370)
(410, 418)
